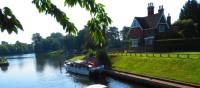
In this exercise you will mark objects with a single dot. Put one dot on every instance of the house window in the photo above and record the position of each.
(135, 42)
(149, 40)
(161, 28)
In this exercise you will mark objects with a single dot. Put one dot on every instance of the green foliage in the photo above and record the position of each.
(191, 10)
(185, 70)
(112, 38)
(58, 53)
(69, 42)
(103, 58)
(3, 61)
(99, 20)
(8, 21)
(80, 38)
(187, 28)
(17, 48)
(52, 43)
(125, 39)
(47, 7)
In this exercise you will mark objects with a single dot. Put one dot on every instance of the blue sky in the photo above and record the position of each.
(122, 13)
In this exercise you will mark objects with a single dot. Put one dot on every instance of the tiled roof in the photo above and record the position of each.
(149, 21)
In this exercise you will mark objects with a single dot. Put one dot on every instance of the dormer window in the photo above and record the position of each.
(161, 28)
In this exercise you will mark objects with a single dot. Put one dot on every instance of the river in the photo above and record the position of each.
(27, 71)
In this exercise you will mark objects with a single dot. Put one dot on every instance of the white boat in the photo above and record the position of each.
(81, 67)
(97, 86)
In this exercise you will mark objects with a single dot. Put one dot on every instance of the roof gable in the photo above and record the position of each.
(150, 22)
(135, 24)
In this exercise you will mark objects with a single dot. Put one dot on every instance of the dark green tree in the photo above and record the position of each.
(187, 28)
(124, 36)
(80, 39)
(113, 38)
(191, 11)
(8, 21)
(17, 48)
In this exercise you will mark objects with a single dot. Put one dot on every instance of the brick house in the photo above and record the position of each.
(145, 30)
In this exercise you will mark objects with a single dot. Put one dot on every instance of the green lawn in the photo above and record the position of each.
(77, 57)
(185, 70)
(58, 53)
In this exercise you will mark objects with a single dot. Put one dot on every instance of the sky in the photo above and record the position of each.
(122, 13)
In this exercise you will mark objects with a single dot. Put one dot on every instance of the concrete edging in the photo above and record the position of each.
(149, 81)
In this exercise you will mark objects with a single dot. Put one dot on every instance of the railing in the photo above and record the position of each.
(163, 55)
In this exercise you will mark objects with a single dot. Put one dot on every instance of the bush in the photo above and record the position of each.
(103, 58)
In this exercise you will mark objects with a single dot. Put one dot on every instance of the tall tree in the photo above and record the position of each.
(80, 39)
(124, 36)
(191, 11)
(113, 38)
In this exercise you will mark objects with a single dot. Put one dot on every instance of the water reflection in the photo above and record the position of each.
(30, 71)
(42, 61)
(4, 68)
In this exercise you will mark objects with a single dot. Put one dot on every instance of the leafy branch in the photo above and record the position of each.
(8, 21)
(98, 23)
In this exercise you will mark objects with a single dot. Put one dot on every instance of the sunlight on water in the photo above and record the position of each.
(27, 71)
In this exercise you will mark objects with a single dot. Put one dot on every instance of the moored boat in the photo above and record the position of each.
(96, 86)
(82, 67)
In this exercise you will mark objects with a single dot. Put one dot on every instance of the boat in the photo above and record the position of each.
(82, 67)
(97, 86)
(3, 61)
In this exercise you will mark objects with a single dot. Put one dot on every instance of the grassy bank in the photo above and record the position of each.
(185, 70)
(58, 53)
(77, 57)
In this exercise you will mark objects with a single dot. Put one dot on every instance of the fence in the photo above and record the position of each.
(163, 55)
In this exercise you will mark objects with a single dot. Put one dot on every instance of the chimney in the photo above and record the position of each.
(150, 9)
(169, 20)
(161, 9)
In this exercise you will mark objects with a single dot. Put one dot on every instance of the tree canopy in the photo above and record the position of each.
(189, 19)
(99, 18)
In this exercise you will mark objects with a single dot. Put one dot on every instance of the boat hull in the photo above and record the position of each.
(78, 70)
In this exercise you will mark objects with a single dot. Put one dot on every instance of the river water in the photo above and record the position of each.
(27, 71)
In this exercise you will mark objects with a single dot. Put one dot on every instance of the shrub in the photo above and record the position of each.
(103, 58)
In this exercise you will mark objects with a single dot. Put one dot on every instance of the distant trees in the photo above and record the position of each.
(17, 48)
(51, 43)
(124, 36)
(189, 22)
(113, 38)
